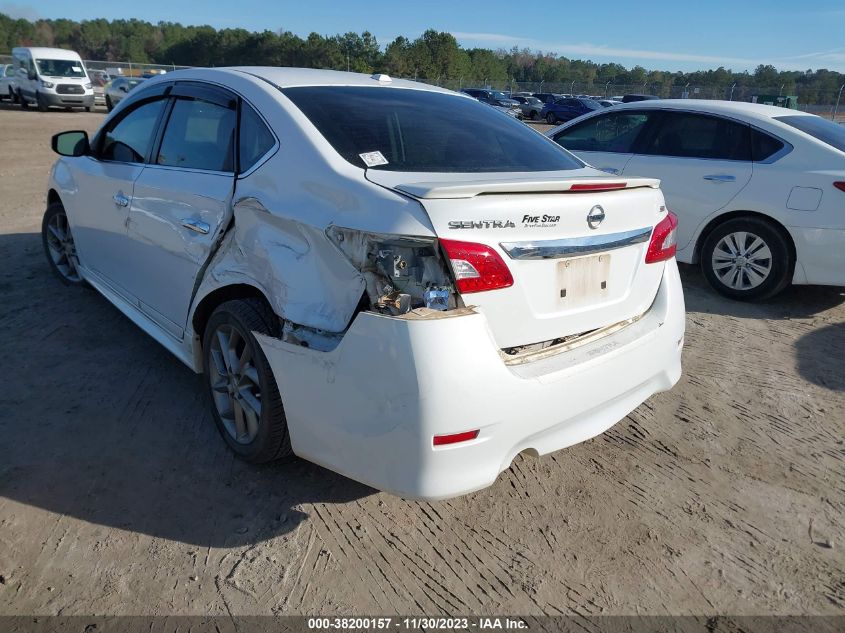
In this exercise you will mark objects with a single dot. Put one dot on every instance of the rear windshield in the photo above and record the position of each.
(822, 129)
(398, 129)
(60, 68)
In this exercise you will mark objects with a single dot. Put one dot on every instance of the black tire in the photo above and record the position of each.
(88, 108)
(22, 100)
(39, 101)
(272, 440)
(781, 264)
(13, 96)
(551, 118)
(54, 212)
(109, 106)
(535, 115)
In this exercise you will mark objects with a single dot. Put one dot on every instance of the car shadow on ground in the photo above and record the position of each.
(794, 302)
(820, 355)
(99, 422)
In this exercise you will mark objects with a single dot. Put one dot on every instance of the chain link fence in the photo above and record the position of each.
(130, 69)
(826, 103)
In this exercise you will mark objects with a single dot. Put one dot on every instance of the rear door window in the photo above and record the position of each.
(764, 146)
(255, 138)
(613, 132)
(691, 135)
(199, 135)
(128, 140)
(826, 131)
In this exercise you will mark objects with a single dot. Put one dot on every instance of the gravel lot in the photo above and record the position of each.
(118, 497)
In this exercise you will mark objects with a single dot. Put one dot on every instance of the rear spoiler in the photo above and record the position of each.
(473, 188)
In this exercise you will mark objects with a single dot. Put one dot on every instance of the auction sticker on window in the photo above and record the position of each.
(372, 159)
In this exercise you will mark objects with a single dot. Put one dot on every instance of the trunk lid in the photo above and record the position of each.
(570, 276)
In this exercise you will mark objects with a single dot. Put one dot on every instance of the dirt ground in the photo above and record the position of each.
(725, 495)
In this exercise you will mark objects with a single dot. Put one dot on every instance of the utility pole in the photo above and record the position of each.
(836, 108)
(572, 88)
(780, 92)
(605, 89)
(732, 92)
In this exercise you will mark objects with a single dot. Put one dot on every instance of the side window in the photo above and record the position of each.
(689, 135)
(129, 139)
(199, 135)
(763, 146)
(613, 132)
(255, 139)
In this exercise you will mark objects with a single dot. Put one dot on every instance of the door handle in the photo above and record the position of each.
(196, 225)
(720, 177)
(120, 200)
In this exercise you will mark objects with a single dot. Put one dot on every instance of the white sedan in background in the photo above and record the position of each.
(384, 277)
(8, 86)
(759, 190)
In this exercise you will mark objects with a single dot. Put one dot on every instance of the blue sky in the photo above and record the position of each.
(670, 35)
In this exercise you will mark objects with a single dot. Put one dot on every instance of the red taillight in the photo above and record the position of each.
(477, 267)
(840, 185)
(598, 186)
(454, 438)
(664, 241)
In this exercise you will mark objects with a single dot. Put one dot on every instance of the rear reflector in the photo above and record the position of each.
(598, 186)
(477, 267)
(840, 185)
(664, 243)
(440, 440)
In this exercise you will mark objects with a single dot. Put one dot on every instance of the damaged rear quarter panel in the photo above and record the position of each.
(277, 242)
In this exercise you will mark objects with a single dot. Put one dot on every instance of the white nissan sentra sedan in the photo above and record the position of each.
(386, 278)
(759, 190)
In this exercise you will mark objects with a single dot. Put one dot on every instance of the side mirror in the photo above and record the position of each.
(73, 143)
(31, 75)
(123, 89)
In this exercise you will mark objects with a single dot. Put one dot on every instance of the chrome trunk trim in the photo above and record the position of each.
(576, 246)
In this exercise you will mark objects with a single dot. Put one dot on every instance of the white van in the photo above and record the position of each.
(52, 77)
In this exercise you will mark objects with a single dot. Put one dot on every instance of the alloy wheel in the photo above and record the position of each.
(235, 384)
(742, 260)
(62, 248)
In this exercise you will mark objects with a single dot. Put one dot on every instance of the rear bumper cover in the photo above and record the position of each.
(820, 255)
(370, 408)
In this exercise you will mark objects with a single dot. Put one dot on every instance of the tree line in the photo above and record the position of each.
(434, 56)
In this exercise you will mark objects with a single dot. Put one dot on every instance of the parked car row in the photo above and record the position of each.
(496, 99)
(553, 107)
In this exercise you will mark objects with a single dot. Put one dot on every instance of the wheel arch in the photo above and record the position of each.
(732, 215)
(53, 197)
(208, 303)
